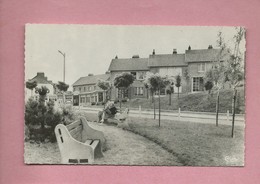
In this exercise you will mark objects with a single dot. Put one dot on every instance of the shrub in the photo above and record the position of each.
(40, 120)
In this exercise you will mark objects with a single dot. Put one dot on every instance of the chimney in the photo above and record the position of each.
(189, 48)
(116, 57)
(210, 47)
(41, 74)
(174, 51)
(153, 51)
(90, 74)
(135, 56)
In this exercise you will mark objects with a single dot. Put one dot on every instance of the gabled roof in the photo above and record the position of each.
(41, 79)
(91, 79)
(130, 64)
(202, 55)
(166, 60)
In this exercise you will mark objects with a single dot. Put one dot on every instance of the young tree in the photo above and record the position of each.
(122, 82)
(31, 85)
(170, 91)
(234, 69)
(63, 87)
(178, 83)
(216, 77)
(156, 83)
(106, 86)
(216, 74)
(208, 86)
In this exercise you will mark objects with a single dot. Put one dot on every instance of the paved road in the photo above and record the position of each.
(198, 117)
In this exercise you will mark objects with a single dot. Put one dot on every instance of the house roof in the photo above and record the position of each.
(90, 79)
(41, 79)
(167, 60)
(130, 64)
(202, 55)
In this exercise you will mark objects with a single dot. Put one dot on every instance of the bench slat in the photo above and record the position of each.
(73, 125)
(77, 136)
(76, 130)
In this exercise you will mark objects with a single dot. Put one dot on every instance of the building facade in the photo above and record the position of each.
(86, 91)
(191, 66)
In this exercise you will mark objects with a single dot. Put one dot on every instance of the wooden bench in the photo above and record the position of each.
(79, 143)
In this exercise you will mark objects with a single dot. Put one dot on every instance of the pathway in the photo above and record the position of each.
(126, 148)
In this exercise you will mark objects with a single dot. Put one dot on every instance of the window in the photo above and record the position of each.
(84, 88)
(79, 89)
(74, 89)
(124, 93)
(197, 84)
(202, 67)
(139, 91)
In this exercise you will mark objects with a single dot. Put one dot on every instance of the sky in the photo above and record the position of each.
(90, 48)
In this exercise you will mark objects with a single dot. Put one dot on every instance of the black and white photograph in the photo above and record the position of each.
(134, 95)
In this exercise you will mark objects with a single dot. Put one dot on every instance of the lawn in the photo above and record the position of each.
(194, 144)
(200, 102)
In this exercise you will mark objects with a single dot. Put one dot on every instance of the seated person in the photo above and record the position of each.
(108, 112)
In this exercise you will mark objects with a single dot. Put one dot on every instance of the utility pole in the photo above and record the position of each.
(64, 55)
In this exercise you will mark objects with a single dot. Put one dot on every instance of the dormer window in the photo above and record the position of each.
(202, 67)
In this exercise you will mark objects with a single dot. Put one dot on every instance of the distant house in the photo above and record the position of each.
(41, 80)
(86, 91)
(137, 67)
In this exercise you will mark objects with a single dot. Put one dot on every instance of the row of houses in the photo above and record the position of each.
(191, 66)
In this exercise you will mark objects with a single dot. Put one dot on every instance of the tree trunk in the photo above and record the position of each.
(159, 108)
(147, 93)
(170, 101)
(121, 94)
(234, 112)
(154, 114)
(178, 92)
(217, 108)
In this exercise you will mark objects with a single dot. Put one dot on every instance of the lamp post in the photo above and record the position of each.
(63, 54)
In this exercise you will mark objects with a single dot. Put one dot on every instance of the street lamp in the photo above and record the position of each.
(63, 54)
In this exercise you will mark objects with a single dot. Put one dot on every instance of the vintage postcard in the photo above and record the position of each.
(134, 95)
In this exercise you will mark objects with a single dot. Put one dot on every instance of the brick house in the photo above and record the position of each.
(136, 66)
(191, 66)
(86, 91)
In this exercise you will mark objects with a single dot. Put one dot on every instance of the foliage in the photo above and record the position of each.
(31, 84)
(104, 85)
(123, 80)
(62, 86)
(42, 91)
(40, 120)
(67, 114)
(178, 81)
(208, 86)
